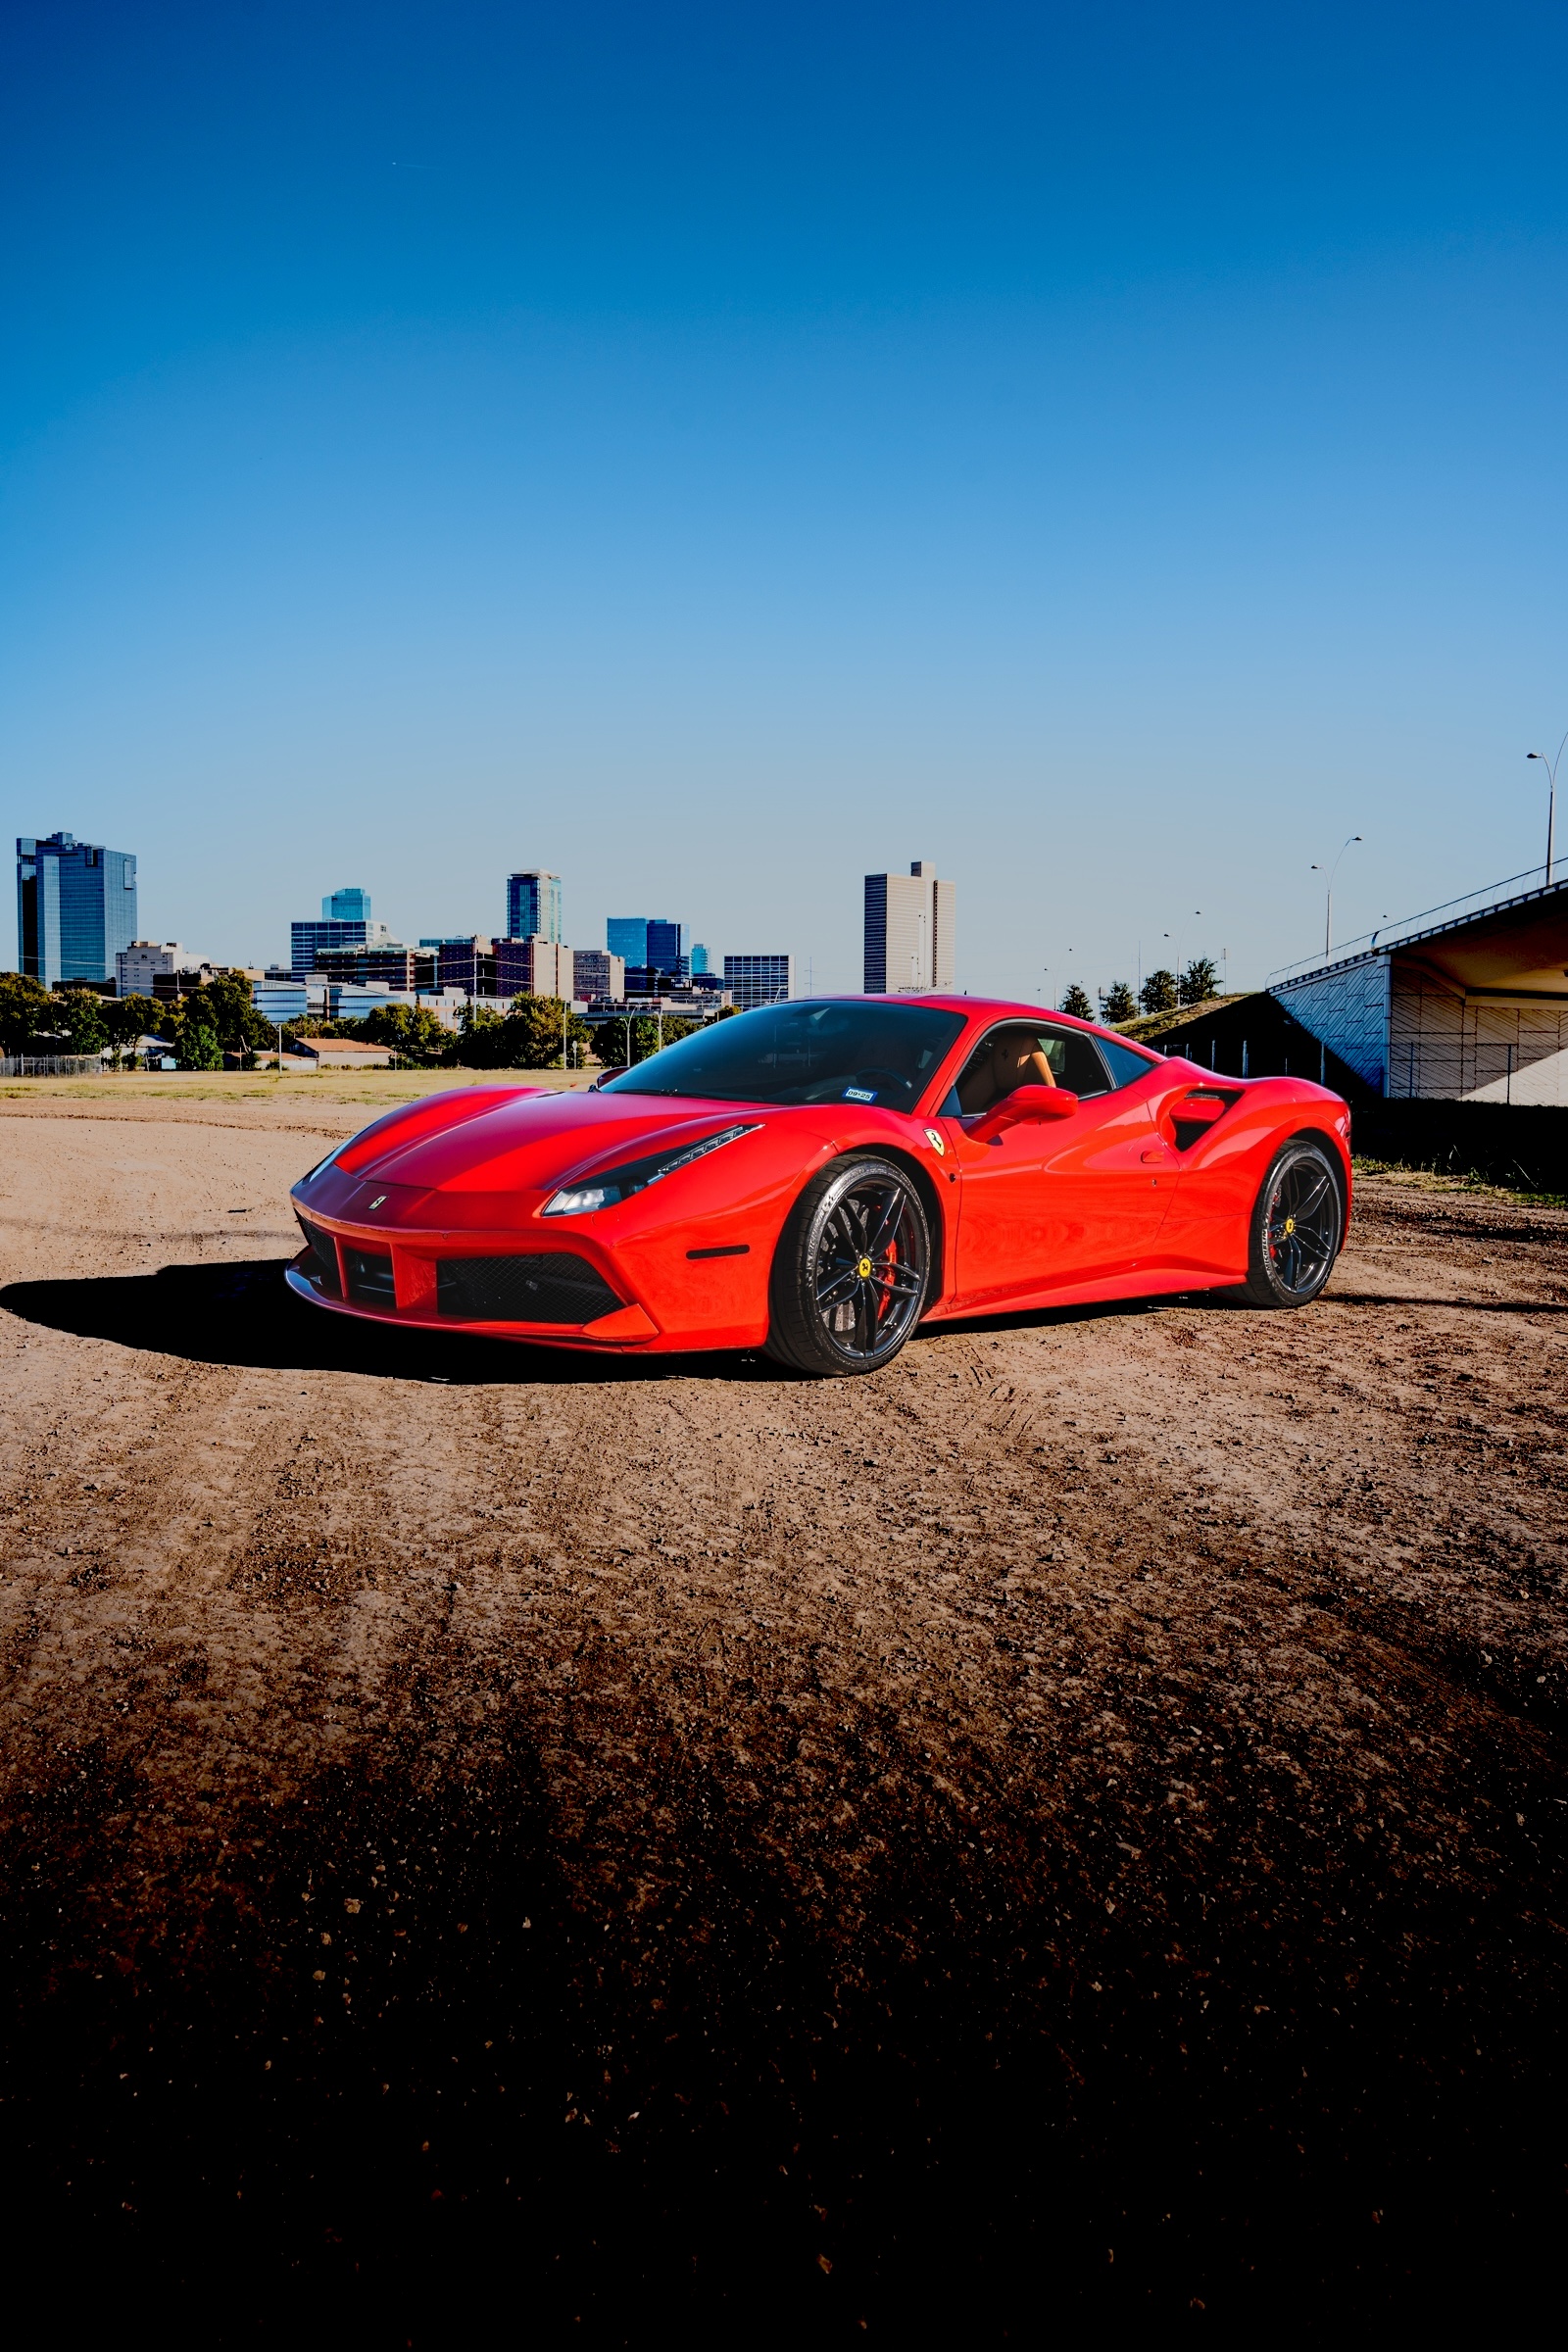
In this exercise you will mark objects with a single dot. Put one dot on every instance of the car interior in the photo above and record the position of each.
(1025, 1053)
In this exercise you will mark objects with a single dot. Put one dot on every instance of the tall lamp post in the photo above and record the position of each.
(1551, 767)
(1328, 912)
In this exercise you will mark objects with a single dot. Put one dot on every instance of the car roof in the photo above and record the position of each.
(992, 1009)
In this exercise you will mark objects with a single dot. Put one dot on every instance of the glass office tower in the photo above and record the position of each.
(667, 947)
(76, 908)
(698, 958)
(533, 906)
(626, 936)
(345, 923)
(346, 907)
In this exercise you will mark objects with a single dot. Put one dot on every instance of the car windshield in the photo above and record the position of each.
(822, 1051)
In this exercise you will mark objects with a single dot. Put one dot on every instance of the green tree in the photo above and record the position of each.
(216, 1019)
(24, 1004)
(480, 1045)
(534, 1029)
(411, 1031)
(192, 1027)
(609, 1041)
(1076, 1002)
(128, 1020)
(239, 1026)
(1117, 1003)
(1200, 981)
(80, 1013)
(1158, 993)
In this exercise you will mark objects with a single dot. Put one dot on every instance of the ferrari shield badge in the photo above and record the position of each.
(934, 1138)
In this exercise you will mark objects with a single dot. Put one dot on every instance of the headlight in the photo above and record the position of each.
(636, 1175)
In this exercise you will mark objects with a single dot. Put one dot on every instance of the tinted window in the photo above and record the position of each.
(1026, 1053)
(821, 1051)
(1124, 1065)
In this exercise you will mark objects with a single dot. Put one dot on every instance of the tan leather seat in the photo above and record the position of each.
(1013, 1059)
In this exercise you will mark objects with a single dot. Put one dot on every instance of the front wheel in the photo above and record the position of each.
(852, 1270)
(1298, 1225)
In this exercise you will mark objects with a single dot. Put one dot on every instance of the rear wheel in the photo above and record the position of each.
(852, 1270)
(1298, 1225)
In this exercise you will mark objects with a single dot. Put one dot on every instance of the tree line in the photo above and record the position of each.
(1162, 992)
(219, 1018)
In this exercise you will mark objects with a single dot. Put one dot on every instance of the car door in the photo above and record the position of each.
(1051, 1205)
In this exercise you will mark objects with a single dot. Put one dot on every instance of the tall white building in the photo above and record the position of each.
(908, 931)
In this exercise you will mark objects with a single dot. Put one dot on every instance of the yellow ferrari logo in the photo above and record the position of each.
(864, 1269)
(1290, 1224)
(935, 1142)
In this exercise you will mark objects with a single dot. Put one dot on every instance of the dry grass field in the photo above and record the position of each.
(1073, 1824)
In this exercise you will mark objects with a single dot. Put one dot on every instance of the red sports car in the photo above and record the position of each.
(818, 1177)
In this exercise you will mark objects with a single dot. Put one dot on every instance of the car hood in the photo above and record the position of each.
(522, 1142)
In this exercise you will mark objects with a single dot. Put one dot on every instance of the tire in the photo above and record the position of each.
(1298, 1224)
(851, 1272)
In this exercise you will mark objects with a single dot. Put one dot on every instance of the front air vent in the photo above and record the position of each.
(546, 1286)
(369, 1276)
(323, 1255)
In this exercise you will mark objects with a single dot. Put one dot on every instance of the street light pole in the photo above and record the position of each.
(1327, 916)
(1551, 767)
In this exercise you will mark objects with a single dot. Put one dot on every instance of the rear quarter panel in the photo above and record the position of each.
(1206, 1232)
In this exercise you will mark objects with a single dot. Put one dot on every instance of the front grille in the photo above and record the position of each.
(370, 1273)
(323, 1250)
(552, 1288)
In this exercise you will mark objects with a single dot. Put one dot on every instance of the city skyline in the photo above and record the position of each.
(1126, 462)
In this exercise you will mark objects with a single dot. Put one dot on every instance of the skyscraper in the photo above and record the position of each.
(345, 923)
(76, 908)
(626, 936)
(758, 979)
(533, 906)
(908, 931)
(698, 958)
(346, 907)
(667, 947)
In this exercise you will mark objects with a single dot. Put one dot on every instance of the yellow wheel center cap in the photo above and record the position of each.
(1290, 1224)
(864, 1269)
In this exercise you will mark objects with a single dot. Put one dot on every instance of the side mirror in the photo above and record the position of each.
(1024, 1102)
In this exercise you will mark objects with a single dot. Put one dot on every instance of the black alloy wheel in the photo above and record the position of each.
(1298, 1225)
(852, 1270)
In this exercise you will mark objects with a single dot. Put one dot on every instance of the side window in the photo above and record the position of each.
(1123, 1063)
(1074, 1061)
(1019, 1053)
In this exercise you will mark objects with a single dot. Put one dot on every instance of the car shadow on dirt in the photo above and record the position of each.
(244, 1313)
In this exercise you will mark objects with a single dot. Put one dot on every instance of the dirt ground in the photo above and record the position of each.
(1076, 1821)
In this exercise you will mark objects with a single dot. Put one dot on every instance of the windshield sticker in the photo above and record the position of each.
(859, 1094)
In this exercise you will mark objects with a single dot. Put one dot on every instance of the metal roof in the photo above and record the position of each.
(1454, 915)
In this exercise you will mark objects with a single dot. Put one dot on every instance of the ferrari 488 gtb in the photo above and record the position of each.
(818, 1177)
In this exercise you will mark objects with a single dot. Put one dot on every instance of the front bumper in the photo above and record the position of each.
(473, 1282)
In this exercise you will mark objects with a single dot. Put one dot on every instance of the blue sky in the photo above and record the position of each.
(1114, 451)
